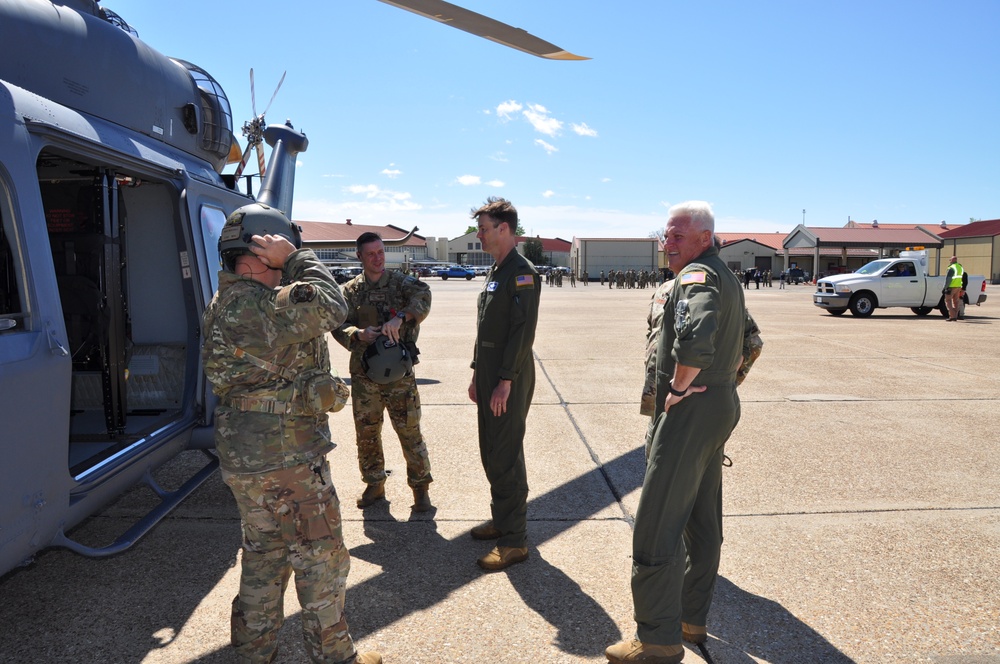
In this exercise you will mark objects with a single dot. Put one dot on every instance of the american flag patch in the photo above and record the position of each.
(525, 280)
(693, 278)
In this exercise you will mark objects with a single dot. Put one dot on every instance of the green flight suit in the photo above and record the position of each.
(505, 331)
(678, 525)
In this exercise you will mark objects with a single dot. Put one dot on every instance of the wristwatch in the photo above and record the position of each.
(676, 393)
(401, 314)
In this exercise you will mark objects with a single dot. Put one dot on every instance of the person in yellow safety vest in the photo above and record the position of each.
(955, 282)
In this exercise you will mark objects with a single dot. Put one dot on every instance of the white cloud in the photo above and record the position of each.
(385, 199)
(495, 183)
(548, 193)
(605, 179)
(549, 148)
(539, 118)
(392, 174)
(469, 180)
(508, 109)
(583, 130)
(499, 156)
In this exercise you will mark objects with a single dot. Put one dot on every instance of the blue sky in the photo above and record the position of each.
(861, 110)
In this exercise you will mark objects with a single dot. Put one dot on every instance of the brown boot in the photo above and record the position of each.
(694, 633)
(373, 493)
(486, 531)
(502, 557)
(634, 650)
(371, 657)
(421, 501)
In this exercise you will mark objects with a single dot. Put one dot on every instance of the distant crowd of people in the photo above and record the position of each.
(632, 278)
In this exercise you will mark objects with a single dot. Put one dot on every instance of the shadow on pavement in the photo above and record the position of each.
(745, 628)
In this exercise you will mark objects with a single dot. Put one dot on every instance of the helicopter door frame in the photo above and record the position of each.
(114, 361)
(206, 207)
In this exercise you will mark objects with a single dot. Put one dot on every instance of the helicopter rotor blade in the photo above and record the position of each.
(260, 159)
(253, 101)
(484, 26)
(264, 112)
(243, 161)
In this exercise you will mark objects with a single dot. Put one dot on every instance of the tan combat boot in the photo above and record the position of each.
(421, 501)
(373, 493)
(502, 557)
(486, 531)
(635, 650)
(694, 633)
(371, 657)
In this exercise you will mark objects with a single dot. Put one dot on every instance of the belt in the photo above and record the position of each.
(261, 405)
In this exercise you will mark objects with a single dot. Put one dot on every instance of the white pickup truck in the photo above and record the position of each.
(891, 282)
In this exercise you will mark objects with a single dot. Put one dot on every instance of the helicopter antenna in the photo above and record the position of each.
(253, 129)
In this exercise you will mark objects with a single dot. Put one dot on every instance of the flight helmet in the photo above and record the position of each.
(386, 361)
(250, 220)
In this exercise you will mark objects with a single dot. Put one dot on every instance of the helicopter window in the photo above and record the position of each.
(212, 221)
(216, 114)
(10, 294)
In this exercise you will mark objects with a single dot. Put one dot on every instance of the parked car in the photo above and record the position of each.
(343, 275)
(892, 282)
(795, 275)
(456, 271)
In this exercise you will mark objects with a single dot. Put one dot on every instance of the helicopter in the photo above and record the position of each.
(112, 199)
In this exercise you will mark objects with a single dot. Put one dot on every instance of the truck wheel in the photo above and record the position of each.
(468, 277)
(921, 311)
(444, 277)
(836, 312)
(863, 304)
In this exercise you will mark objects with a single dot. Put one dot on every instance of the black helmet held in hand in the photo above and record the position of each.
(250, 220)
(386, 361)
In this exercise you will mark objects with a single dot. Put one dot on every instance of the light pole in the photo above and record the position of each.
(803, 216)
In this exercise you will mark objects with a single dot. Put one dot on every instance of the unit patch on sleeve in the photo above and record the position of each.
(682, 317)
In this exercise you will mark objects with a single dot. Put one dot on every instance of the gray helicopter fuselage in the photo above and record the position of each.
(111, 203)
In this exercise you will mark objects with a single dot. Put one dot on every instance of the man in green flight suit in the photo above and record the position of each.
(677, 538)
(503, 381)
(264, 335)
(393, 304)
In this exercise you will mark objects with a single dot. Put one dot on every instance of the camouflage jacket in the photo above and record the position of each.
(284, 326)
(752, 346)
(375, 304)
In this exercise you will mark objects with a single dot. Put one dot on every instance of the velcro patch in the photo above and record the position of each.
(525, 281)
(696, 277)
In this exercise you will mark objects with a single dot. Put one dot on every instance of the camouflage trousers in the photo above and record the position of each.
(369, 401)
(291, 522)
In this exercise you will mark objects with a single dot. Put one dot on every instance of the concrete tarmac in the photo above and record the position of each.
(862, 509)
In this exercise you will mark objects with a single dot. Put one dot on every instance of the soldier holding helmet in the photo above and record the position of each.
(385, 309)
(264, 331)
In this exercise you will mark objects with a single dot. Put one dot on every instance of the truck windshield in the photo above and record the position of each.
(874, 267)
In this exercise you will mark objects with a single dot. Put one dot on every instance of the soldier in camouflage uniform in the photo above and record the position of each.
(389, 303)
(263, 329)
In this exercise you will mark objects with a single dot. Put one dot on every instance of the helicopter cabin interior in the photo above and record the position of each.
(128, 312)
